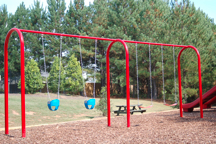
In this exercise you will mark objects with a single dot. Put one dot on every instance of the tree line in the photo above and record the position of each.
(160, 21)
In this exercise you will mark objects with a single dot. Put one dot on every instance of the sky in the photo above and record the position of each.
(208, 6)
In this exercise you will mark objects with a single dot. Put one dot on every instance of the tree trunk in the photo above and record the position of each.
(185, 85)
(111, 88)
(149, 88)
(102, 69)
(103, 76)
(119, 87)
(154, 89)
(134, 88)
(124, 91)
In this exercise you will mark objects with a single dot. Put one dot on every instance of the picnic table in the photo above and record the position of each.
(123, 109)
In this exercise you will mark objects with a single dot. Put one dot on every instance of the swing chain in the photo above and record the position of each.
(137, 75)
(95, 69)
(60, 53)
(45, 67)
(150, 71)
(82, 67)
(163, 74)
(174, 73)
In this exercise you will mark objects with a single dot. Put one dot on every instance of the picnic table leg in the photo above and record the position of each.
(125, 109)
(134, 108)
(118, 111)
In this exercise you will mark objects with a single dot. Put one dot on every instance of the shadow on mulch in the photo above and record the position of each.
(8, 135)
(209, 115)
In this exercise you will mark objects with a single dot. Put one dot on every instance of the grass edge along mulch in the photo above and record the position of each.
(71, 109)
(158, 127)
(97, 118)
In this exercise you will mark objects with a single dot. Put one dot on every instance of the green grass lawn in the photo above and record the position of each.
(71, 109)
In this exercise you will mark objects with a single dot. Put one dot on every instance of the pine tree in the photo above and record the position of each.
(122, 17)
(102, 104)
(78, 21)
(33, 43)
(33, 78)
(73, 25)
(19, 20)
(73, 82)
(53, 78)
(191, 26)
(3, 32)
(55, 23)
(141, 21)
(98, 28)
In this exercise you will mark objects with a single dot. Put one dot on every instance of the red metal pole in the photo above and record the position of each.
(98, 38)
(180, 90)
(108, 83)
(22, 67)
(199, 75)
(6, 83)
(127, 81)
(78, 36)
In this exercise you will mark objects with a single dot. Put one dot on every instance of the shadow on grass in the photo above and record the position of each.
(89, 117)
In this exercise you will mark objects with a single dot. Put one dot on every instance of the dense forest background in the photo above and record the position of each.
(160, 21)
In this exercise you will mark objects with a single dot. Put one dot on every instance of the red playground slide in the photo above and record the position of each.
(208, 99)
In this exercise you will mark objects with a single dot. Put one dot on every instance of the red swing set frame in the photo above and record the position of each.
(22, 67)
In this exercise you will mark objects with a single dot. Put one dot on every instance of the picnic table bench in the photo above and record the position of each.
(124, 110)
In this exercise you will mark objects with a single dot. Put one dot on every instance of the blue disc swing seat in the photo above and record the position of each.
(53, 103)
(90, 102)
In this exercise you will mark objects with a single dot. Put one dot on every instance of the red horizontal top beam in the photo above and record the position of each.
(98, 38)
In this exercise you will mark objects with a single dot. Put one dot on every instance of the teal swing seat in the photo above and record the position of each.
(53, 103)
(88, 103)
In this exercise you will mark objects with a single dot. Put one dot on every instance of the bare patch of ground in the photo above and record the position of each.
(80, 115)
(15, 113)
(45, 117)
(160, 127)
(30, 113)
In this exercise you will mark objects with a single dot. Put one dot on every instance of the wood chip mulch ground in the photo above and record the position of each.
(161, 127)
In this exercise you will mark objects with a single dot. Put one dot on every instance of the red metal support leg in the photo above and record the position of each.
(22, 67)
(127, 82)
(200, 79)
(108, 78)
(6, 85)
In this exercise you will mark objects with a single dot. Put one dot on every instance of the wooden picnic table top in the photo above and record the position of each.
(130, 105)
(134, 109)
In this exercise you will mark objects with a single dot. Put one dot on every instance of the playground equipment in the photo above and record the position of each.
(89, 104)
(200, 80)
(162, 77)
(208, 98)
(22, 67)
(164, 97)
(56, 102)
(149, 77)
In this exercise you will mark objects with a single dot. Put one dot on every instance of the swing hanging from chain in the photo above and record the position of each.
(89, 103)
(138, 78)
(53, 105)
(174, 104)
